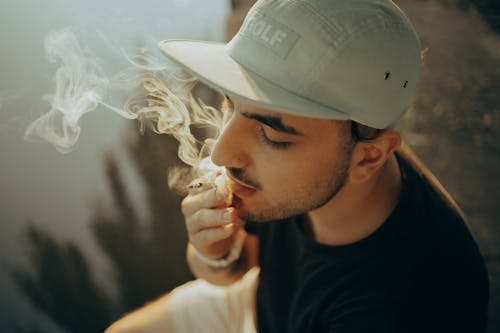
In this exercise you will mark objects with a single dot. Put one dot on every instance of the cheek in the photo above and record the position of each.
(305, 168)
(318, 162)
(274, 171)
(285, 174)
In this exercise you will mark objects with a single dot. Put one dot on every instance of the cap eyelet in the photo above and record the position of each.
(387, 75)
(405, 84)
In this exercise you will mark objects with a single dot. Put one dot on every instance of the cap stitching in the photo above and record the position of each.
(362, 27)
(340, 43)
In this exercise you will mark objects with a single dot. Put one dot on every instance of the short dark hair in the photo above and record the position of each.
(360, 132)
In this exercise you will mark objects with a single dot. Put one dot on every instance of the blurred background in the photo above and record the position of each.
(89, 235)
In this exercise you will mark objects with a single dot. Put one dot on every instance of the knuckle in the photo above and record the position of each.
(195, 241)
(193, 221)
(185, 205)
(204, 237)
(189, 228)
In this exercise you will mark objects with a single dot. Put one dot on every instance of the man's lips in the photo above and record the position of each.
(239, 188)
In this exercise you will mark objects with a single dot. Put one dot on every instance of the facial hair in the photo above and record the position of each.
(315, 194)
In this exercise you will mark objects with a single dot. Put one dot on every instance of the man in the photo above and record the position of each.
(345, 229)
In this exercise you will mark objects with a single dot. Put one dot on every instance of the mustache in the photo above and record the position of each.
(239, 175)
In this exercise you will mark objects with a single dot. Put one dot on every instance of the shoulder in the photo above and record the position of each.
(425, 187)
(450, 272)
(434, 215)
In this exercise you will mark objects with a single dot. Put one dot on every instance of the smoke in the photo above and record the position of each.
(81, 85)
(163, 100)
(158, 96)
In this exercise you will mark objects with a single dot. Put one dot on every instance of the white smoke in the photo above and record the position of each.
(164, 100)
(81, 86)
(158, 95)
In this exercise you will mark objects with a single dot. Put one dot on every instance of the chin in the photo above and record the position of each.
(253, 210)
(241, 207)
(261, 215)
(245, 212)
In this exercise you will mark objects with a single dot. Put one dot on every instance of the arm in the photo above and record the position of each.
(211, 227)
(154, 316)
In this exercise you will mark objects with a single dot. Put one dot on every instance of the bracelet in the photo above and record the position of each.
(232, 256)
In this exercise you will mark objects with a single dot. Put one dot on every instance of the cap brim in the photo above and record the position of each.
(210, 64)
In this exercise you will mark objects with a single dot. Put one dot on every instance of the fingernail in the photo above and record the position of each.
(228, 227)
(228, 215)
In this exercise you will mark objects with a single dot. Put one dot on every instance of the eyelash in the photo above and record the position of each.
(263, 137)
(273, 144)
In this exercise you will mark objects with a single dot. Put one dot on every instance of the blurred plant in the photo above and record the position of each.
(61, 284)
(148, 257)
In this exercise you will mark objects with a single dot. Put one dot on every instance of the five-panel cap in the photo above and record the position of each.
(332, 59)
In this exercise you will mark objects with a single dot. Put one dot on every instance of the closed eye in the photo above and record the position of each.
(271, 143)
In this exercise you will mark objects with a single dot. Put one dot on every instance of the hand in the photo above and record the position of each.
(210, 221)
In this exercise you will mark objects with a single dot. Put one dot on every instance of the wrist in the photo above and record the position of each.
(233, 254)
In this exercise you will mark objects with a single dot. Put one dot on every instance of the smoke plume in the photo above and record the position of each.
(158, 96)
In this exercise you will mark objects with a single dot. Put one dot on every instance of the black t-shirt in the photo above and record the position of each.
(421, 271)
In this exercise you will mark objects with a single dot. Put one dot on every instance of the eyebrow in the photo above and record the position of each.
(273, 122)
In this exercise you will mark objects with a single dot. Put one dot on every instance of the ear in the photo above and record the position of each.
(370, 156)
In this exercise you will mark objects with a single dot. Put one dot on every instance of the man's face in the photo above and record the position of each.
(281, 165)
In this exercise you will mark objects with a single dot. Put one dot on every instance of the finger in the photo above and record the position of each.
(208, 199)
(212, 235)
(210, 218)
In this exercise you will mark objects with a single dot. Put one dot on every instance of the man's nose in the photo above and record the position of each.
(229, 150)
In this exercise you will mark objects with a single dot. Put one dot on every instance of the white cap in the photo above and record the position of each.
(332, 59)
